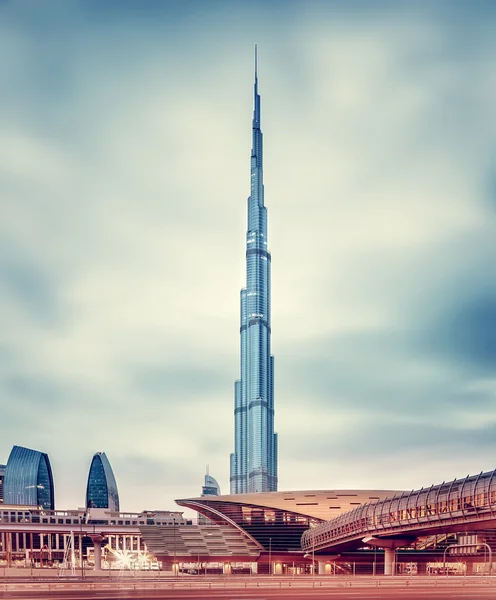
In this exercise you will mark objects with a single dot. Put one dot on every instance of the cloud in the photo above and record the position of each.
(125, 172)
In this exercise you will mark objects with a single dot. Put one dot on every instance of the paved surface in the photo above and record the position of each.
(239, 589)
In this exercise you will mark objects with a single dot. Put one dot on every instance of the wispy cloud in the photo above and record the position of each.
(124, 162)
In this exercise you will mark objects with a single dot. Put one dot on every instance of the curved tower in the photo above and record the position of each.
(254, 460)
(28, 479)
(211, 487)
(101, 490)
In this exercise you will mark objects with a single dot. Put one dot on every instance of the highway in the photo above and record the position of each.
(421, 588)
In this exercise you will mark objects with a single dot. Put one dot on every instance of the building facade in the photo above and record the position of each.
(210, 487)
(39, 536)
(28, 479)
(277, 520)
(101, 489)
(2, 475)
(254, 460)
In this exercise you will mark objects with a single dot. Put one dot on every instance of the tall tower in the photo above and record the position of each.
(254, 460)
(101, 489)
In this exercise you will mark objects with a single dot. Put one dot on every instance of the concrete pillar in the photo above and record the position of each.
(226, 569)
(324, 568)
(389, 555)
(97, 545)
(277, 568)
(254, 568)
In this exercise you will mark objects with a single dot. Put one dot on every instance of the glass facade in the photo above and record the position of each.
(211, 487)
(254, 460)
(101, 490)
(2, 475)
(454, 505)
(272, 527)
(28, 479)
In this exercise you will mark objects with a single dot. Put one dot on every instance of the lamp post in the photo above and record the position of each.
(81, 558)
(270, 556)
(174, 563)
(313, 554)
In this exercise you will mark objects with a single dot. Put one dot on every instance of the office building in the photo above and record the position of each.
(101, 489)
(28, 479)
(2, 475)
(253, 465)
(210, 486)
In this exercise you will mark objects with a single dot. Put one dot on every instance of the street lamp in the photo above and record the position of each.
(174, 563)
(313, 554)
(81, 558)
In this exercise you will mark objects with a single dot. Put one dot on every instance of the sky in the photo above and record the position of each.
(124, 174)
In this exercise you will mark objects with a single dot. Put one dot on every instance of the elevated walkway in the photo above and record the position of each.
(461, 505)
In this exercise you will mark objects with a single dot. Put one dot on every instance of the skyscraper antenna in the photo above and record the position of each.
(256, 63)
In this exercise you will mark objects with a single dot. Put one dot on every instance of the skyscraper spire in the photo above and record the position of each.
(254, 460)
(256, 65)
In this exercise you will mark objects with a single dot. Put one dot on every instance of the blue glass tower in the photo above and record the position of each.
(101, 490)
(254, 460)
(28, 479)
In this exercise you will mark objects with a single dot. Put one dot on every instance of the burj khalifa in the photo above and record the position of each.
(254, 460)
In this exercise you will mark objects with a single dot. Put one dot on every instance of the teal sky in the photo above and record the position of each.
(124, 173)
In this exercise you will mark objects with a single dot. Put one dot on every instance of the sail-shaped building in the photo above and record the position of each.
(254, 460)
(101, 489)
(28, 479)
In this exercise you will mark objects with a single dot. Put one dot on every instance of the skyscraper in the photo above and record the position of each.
(254, 460)
(2, 475)
(28, 479)
(101, 489)
(210, 487)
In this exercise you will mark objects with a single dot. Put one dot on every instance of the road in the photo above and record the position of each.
(258, 589)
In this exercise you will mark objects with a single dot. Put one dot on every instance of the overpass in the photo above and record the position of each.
(463, 505)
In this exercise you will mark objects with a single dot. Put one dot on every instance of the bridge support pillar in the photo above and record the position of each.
(324, 567)
(97, 545)
(389, 561)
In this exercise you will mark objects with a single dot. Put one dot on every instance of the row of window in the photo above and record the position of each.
(27, 517)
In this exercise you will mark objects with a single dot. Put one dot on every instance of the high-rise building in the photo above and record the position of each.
(210, 487)
(2, 475)
(28, 479)
(254, 460)
(101, 490)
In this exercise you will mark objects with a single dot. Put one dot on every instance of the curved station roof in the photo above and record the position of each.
(277, 520)
(320, 505)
